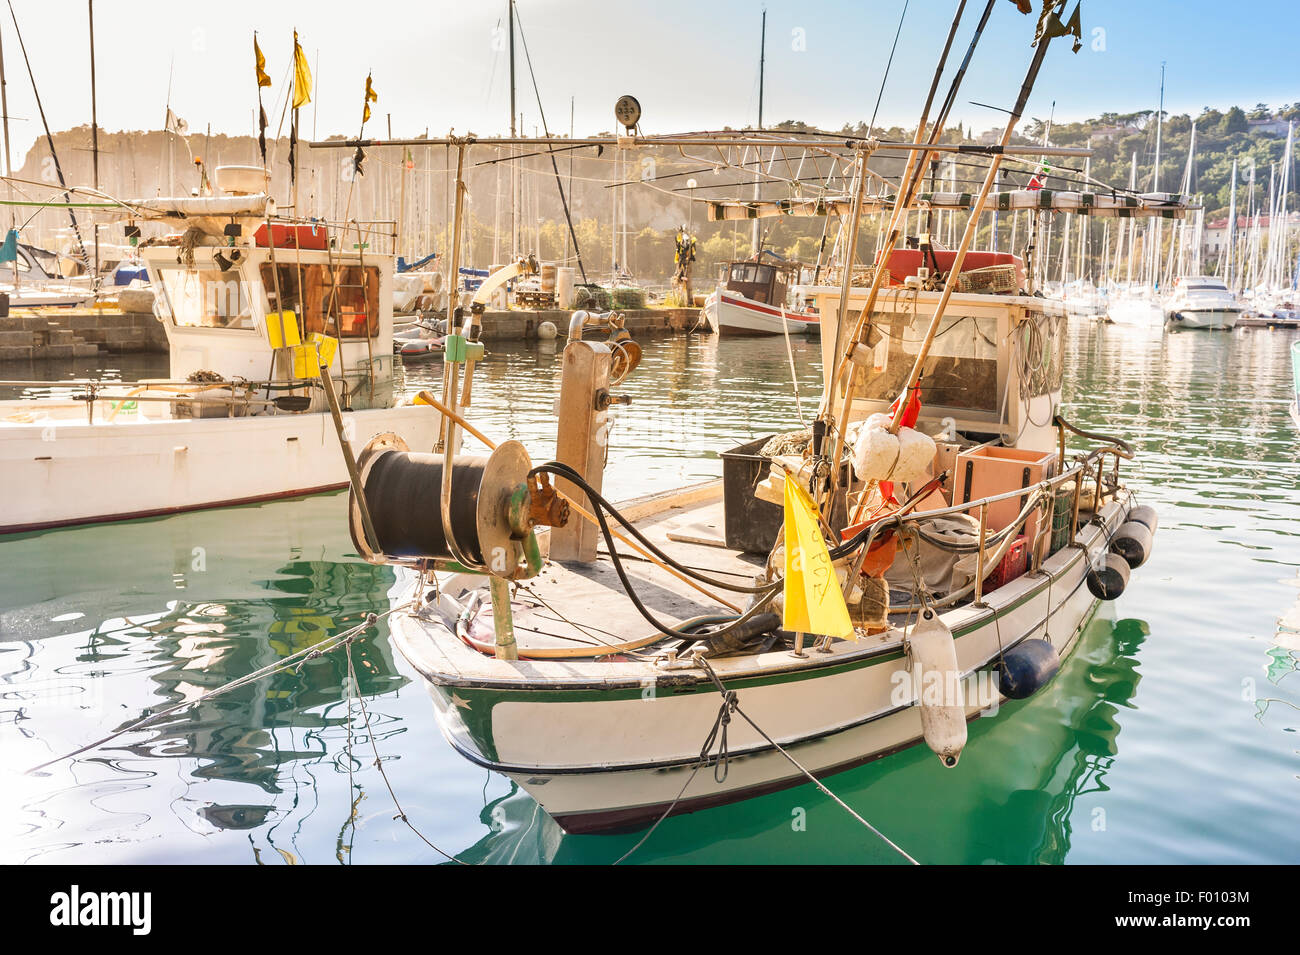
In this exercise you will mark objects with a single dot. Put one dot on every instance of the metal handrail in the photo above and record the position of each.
(1081, 464)
(1060, 422)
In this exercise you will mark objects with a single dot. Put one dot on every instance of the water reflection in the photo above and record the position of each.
(239, 605)
(100, 624)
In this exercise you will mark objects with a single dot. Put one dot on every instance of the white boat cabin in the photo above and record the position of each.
(219, 304)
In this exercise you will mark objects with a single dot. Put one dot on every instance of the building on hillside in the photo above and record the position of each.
(1214, 238)
(1269, 126)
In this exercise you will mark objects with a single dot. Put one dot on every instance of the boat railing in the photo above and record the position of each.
(993, 546)
(239, 393)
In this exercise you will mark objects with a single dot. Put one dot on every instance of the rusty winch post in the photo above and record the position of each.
(582, 436)
(590, 368)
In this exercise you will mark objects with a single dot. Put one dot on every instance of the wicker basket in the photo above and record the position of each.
(990, 280)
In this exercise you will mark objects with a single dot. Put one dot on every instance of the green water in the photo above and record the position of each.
(1169, 735)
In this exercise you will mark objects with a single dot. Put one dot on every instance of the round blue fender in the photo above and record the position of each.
(1026, 668)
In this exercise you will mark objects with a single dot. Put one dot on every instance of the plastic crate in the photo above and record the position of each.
(1062, 514)
(1014, 563)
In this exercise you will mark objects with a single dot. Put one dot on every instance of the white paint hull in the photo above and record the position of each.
(1210, 318)
(61, 472)
(601, 760)
(736, 315)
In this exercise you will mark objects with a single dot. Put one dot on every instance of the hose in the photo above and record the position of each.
(765, 593)
(599, 503)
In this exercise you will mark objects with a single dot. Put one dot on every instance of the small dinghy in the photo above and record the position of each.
(416, 348)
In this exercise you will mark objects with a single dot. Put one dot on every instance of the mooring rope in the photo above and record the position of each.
(295, 660)
(730, 705)
(379, 763)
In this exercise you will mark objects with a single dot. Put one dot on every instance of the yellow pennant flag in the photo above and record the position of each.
(371, 97)
(813, 600)
(262, 78)
(301, 75)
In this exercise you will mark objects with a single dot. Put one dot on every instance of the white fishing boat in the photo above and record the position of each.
(244, 414)
(940, 544)
(601, 716)
(759, 298)
(1202, 301)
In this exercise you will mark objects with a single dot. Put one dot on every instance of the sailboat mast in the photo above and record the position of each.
(762, 62)
(1232, 229)
(1160, 114)
(4, 113)
(94, 129)
(758, 158)
(514, 172)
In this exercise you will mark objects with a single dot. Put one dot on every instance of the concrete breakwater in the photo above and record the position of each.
(88, 333)
(78, 333)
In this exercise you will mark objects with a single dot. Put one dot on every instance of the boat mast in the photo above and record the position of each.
(1132, 223)
(4, 112)
(1155, 180)
(1231, 237)
(514, 172)
(758, 158)
(94, 130)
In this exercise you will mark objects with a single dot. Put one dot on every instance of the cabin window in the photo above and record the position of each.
(342, 300)
(750, 274)
(207, 298)
(961, 370)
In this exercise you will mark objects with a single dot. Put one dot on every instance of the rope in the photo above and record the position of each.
(794, 376)
(294, 660)
(720, 723)
(730, 696)
(379, 763)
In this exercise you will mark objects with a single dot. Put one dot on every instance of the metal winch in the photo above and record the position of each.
(491, 509)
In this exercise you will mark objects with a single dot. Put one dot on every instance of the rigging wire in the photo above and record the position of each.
(550, 152)
(888, 63)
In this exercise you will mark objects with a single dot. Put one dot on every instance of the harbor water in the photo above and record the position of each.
(1169, 736)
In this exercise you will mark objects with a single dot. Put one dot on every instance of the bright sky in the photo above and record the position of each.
(693, 65)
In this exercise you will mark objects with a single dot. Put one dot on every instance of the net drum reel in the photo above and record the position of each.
(490, 509)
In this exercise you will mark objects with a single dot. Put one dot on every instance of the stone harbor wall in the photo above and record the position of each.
(78, 333)
(88, 333)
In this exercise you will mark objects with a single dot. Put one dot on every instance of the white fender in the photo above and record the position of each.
(937, 683)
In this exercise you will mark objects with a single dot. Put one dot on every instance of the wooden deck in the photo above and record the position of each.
(571, 604)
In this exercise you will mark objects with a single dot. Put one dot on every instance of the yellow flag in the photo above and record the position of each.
(371, 97)
(813, 601)
(301, 75)
(262, 78)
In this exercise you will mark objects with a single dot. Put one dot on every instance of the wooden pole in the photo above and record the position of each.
(972, 225)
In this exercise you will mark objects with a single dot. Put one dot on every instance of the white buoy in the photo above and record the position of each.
(936, 681)
(547, 331)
